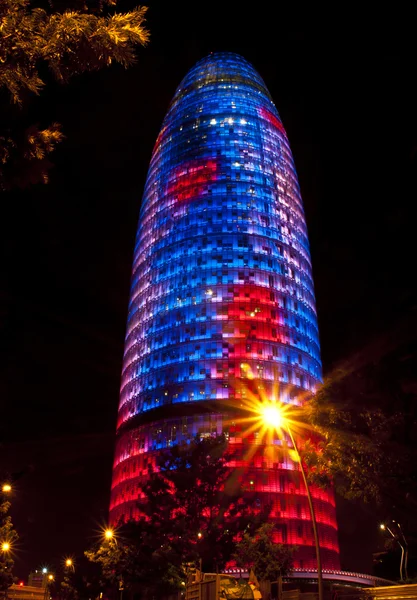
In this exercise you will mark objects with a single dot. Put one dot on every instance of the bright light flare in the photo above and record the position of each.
(5, 546)
(69, 563)
(110, 535)
(272, 416)
(268, 419)
(6, 488)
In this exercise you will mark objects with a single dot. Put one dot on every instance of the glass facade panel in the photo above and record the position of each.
(221, 288)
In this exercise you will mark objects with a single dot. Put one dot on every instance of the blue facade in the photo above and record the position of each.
(222, 288)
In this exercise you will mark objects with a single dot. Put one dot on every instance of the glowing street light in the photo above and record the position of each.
(6, 488)
(69, 563)
(110, 536)
(5, 547)
(274, 417)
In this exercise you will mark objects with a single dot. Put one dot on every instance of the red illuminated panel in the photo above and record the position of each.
(190, 179)
(268, 116)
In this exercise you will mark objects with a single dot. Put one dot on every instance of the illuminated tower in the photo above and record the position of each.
(222, 300)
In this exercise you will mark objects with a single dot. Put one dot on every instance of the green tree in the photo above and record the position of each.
(269, 560)
(8, 537)
(366, 416)
(197, 502)
(138, 560)
(66, 588)
(193, 512)
(62, 39)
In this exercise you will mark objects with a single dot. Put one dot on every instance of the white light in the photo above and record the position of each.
(230, 121)
(272, 416)
(243, 122)
(213, 122)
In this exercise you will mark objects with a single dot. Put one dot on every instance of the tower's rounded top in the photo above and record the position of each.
(228, 68)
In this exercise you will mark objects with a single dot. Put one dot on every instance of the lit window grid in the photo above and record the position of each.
(275, 483)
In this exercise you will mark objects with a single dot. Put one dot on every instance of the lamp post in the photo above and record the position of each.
(272, 416)
(395, 537)
(49, 581)
(405, 549)
(5, 548)
(110, 536)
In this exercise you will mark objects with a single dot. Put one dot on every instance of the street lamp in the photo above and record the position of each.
(406, 549)
(395, 537)
(110, 536)
(273, 416)
(5, 547)
(6, 488)
(69, 563)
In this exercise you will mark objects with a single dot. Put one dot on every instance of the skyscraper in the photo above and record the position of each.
(222, 301)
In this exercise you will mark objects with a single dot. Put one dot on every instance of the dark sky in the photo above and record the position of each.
(343, 84)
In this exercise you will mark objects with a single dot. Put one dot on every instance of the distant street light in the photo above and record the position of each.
(69, 563)
(6, 488)
(109, 534)
(274, 417)
(395, 537)
(5, 547)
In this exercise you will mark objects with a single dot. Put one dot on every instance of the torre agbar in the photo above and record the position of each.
(222, 300)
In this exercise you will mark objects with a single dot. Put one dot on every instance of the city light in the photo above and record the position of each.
(6, 488)
(69, 563)
(5, 546)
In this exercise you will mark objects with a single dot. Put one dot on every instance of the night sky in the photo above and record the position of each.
(343, 84)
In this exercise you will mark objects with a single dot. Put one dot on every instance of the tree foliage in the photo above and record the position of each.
(366, 415)
(198, 502)
(192, 510)
(138, 559)
(268, 559)
(35, 41)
